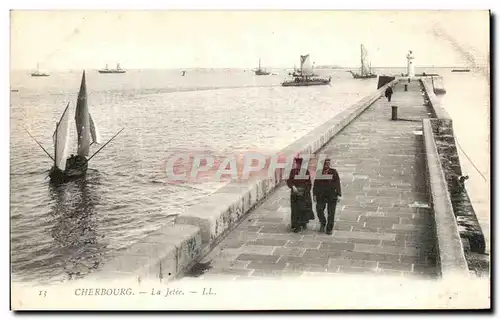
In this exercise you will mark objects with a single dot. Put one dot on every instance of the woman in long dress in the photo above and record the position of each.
(300, 197)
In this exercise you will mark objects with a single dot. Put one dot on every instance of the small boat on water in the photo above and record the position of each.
(37, 73)
(366, 67)
(117, 70)
(183, 73)
(460, 70)
(298, 72)
(67, 168)
(261, 72)
(306, 77)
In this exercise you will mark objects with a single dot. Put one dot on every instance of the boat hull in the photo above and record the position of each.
(305, 83)
(111, 71)
(466, 70)
(364, 76)
(262, 73)
(39, 75)
(298, 74)
(74, 170)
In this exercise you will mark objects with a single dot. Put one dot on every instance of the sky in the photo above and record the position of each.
(61, 40)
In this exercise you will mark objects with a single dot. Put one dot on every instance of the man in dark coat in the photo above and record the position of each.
(300, 197)
(388, 93)
(326, 192)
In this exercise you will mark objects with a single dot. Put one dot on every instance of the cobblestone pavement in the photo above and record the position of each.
(383, 224)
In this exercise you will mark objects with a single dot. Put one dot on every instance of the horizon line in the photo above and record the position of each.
(324, 66)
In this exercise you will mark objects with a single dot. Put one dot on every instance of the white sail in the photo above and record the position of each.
(82, 120)
(305, 65)
(94, 131)
(61, 139)
(365, 63)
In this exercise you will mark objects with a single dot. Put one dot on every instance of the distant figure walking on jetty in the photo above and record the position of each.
(326, 192)
(388, 93)
(300, 197)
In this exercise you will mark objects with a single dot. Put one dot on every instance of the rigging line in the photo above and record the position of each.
(470, 160)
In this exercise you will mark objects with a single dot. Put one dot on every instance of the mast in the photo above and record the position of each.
(259, 65)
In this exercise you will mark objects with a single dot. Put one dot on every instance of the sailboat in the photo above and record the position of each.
(366, 67)
(306, 77)
(261, 72)
(117, 70)
(37, 73)
(298, 72)
(67, 168)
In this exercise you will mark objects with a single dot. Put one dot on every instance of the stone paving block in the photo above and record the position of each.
(301, 267)
(276, 273)
(379, 221)
(351, 217)
(281, 236)
(242, 236)
(363, 228)
(362, 247)
(366, 241)
(311, 260)
(268, 242)
(266, 265)
(336, 246)
(303, 244)
(328, 238)
(256, 249)
(230, 271)
(271, 220)
(356, 270)
(363, 235)
(279, 228)
(258, 257)
(370, 256)
(294, 252)
(330, 253)
(234, 244)
(252, 229)
(352, 263)
(399, 266)
(236, 264)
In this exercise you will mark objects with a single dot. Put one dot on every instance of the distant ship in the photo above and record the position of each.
(366, 67)
(305, 76)
(306, 81)
(37, 73)
(261, 72)
(460, 70)
(117, 70)
(183, 73)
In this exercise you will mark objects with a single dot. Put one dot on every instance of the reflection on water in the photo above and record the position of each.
(75, 234)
